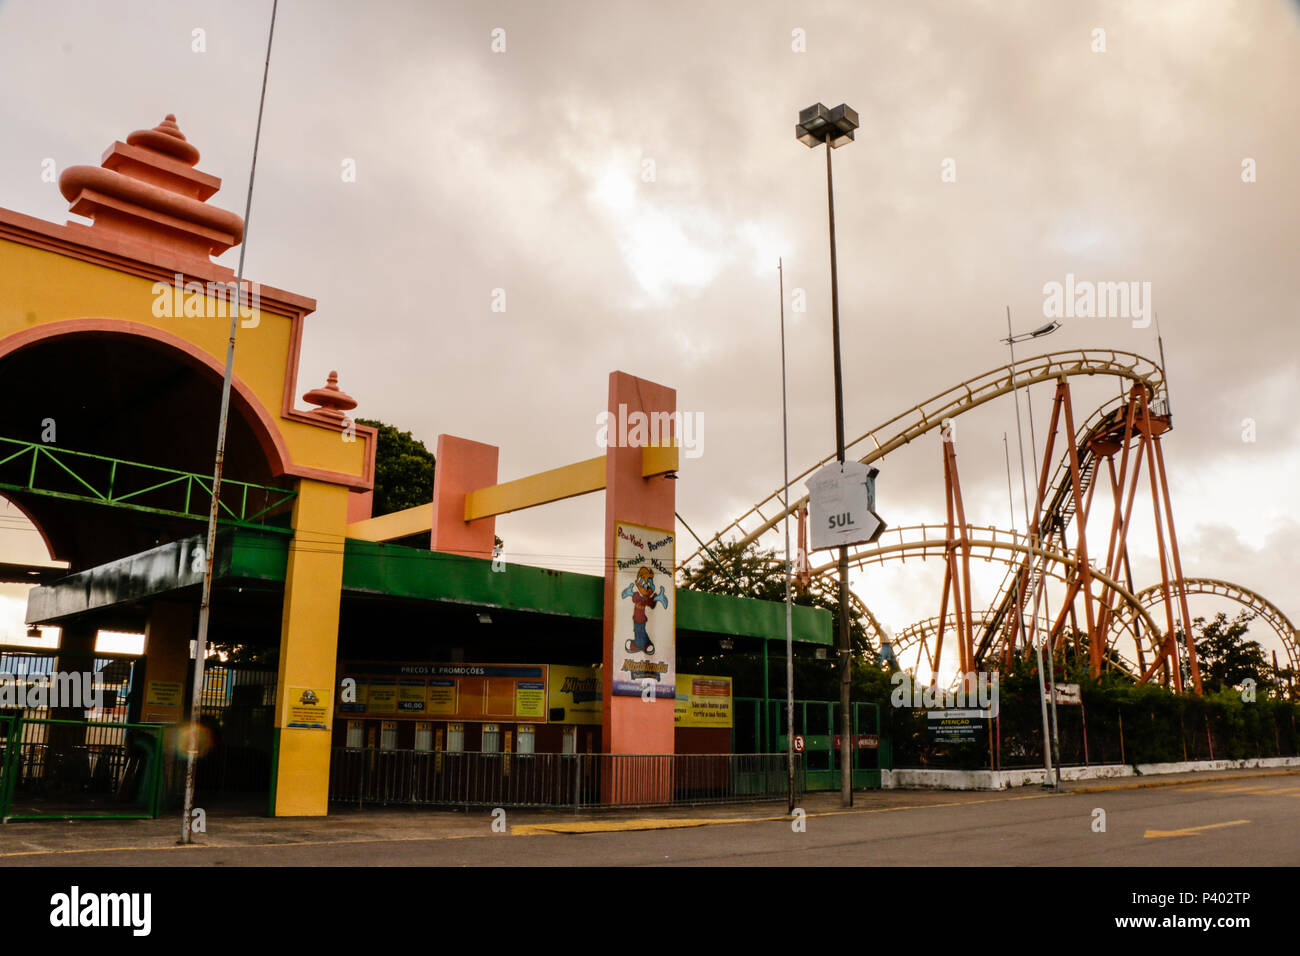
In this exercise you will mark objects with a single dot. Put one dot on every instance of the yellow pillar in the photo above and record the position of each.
(308, 650)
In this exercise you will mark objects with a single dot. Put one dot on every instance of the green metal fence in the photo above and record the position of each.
(817, 721)
(6, 736)
(79, 769)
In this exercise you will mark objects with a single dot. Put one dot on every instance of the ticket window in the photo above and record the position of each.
(388, 735)
(491, 739)
(569, 743)
(423, 735)
(455, 738)
(356, 738)
(527, 739)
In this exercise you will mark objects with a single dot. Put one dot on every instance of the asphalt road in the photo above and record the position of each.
(1221, 822)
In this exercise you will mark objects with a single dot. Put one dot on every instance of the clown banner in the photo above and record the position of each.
(645, 626)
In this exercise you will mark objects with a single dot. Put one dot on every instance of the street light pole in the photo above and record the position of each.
(846, 644)
(1049, 780)
(835, 127)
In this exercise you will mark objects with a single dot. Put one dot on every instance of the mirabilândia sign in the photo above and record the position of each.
(842, 505)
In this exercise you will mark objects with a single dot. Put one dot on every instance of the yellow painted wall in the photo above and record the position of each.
(309, 644)
(42, 287)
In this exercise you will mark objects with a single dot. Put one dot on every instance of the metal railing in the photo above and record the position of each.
(59, 472)
(580, 781)
(79, 769)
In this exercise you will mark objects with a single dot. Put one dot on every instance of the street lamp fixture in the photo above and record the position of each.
(835, 127)
(1038, 333)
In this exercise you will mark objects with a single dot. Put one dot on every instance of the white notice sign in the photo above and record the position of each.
(841, 505)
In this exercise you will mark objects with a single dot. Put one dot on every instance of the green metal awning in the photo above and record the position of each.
(388, 570)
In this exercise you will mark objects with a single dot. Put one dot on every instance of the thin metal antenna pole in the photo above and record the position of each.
(1033, 554)
(201, 643)
(789, 610)
(1040, 591)
(1011, 509)
(1164, 369)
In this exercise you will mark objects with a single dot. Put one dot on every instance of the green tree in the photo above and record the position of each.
(1226, 658)
(403, 469)
(745, 571)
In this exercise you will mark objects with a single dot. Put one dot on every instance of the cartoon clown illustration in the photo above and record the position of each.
(642, 593)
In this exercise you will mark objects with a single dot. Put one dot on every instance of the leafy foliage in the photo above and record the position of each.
(745, 571)
(1226, 658)
(403, 469)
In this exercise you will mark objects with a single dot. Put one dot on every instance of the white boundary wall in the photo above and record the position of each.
(1006, 779)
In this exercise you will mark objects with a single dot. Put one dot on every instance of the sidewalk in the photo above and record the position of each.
(236, 827)
(75, 842)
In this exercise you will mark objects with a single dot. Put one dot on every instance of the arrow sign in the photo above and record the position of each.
(842, 505)
(1190, 831)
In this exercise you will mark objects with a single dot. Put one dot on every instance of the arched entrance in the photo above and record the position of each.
(102, 417)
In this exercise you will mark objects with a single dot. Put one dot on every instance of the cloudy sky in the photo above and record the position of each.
(628, 174)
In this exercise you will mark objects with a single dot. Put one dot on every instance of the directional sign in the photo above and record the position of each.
(798, 743)
(842, 505)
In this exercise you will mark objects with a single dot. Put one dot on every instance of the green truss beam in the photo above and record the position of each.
(45, 469)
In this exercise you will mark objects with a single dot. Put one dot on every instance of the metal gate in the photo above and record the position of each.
(79, 769)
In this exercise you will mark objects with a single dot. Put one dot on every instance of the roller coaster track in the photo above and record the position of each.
(1270, 612)
(991, 544)
(931, 413)
(924, 631)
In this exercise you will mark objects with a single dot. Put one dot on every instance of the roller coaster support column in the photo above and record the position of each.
(1159, 490)
(1123, 504)
(1081, 578)
(955, 575)
(1154, 448)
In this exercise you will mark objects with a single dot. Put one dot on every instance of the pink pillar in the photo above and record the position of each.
(462, 466)
(632, 724)
(360, 505)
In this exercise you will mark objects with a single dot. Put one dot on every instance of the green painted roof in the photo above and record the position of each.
(410, 573)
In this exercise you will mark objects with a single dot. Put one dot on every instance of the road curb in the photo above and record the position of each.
(1148, 784)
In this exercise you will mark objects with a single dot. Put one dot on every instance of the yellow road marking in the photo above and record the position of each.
(234, 846)
(1191, 831)
(617, 826)
(610, 826)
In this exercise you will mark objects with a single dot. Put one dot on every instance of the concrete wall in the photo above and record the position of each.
(1006, 779)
